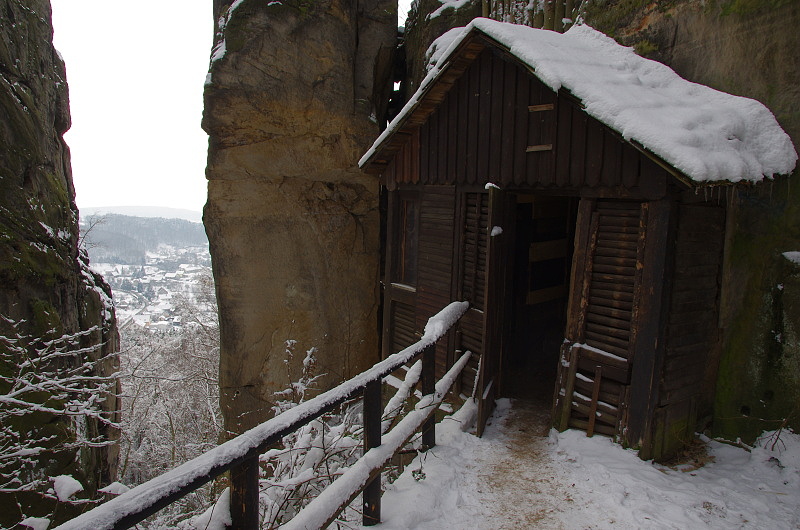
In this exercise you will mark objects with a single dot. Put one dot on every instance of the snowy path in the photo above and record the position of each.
(515, 477)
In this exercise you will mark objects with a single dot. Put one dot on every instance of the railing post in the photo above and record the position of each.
(244, 495)
(372, 438)
(429, 387)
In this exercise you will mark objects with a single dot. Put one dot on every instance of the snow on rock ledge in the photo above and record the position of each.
(708, 135)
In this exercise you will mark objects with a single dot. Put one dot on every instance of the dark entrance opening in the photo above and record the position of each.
(541, 260)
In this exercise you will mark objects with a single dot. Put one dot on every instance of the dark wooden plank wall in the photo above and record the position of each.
(500, 124)
(435, 260)
(480, 131)
(692, 326)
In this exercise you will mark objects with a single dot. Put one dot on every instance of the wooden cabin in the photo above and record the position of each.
(591, 264)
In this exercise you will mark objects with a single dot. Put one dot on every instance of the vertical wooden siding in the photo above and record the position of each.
(480, 131)
(435, 261)
(692, 326)
(499, 123)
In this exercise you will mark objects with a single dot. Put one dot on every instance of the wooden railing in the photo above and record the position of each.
(240, 455)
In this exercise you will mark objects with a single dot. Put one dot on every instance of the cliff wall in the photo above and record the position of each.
(46, 288)
(291, 103)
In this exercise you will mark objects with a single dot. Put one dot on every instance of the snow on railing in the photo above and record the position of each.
(240, 455)
(323, 510)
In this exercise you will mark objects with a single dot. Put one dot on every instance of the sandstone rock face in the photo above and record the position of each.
(293, 225)
(43, 278)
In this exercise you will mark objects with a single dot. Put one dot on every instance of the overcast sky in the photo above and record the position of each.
(136, 73)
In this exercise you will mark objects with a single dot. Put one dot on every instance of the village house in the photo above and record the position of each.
(575, 195)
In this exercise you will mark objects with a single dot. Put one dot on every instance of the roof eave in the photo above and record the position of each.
(427, 99)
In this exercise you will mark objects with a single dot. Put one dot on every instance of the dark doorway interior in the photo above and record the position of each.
(541, 261)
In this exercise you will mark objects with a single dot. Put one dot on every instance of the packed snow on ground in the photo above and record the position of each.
(708, 135)
(571, 481)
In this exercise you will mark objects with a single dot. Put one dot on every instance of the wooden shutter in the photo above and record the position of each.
(595, 371)
(474, 217)
(404, 326)
(400, 299)
(435, 264)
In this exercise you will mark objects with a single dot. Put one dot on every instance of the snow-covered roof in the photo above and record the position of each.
(708, 135)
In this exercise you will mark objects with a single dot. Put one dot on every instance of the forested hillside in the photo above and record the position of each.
(125, 240)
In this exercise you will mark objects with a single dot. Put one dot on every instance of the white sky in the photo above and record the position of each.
(136, 73)
(402, 11)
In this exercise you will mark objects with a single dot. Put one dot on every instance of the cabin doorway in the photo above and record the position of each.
(541, 260)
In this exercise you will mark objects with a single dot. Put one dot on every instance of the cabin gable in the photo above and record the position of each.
(500, 124)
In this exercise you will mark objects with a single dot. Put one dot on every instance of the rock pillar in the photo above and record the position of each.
(293, 225)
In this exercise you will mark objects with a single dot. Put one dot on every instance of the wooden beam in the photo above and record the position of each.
(598, 376)
(372, 438)
(650, 313)
(244, 495)
(428, 387)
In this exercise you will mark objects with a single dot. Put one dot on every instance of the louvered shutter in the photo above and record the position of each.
(434, 281)
(476, 218)
(597, 353)
(403, 326)
(472, 278)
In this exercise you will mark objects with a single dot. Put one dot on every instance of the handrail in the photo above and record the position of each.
(324, 509)
(148, 498)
